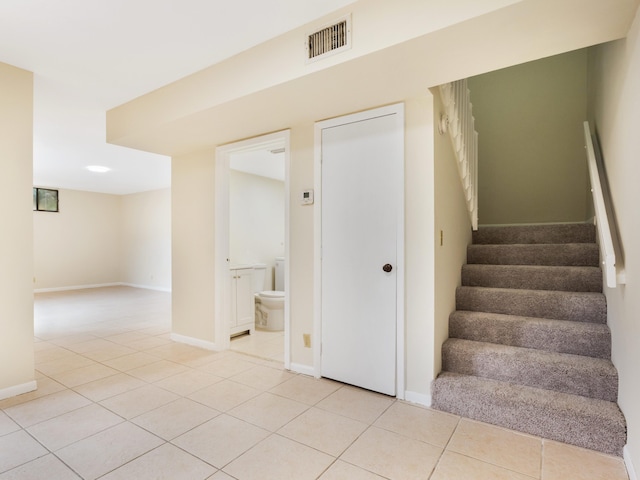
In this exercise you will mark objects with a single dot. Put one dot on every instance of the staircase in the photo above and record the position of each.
(529, 347)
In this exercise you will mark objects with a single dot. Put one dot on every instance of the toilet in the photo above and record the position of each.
(269, 304)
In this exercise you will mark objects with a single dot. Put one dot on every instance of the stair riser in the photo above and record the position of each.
(577, 255)
(574, 338)
(567, 279)
(576, 233)
(579, 421)
(578, 307)
(587, 377)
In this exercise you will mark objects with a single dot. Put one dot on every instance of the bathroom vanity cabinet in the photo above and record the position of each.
(242, 302)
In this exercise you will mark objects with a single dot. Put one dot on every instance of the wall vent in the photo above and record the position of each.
(329, 40)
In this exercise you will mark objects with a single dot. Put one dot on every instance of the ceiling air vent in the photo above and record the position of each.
(329, 40)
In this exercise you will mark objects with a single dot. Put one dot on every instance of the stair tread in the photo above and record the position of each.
(562, 336)
(567, 254)
(605, 365)
(559, 305)
(585, 422)
(538, 292)
(536, 234)
(568, 373)
(533, 277)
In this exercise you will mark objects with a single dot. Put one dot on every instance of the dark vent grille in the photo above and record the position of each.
(328, 40)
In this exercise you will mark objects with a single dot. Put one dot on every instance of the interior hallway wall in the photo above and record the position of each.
(256, 220)
(193, 246)
(146, 239)
(614, 76)
(101, 239)
(420, 276)
(80, 245)
(532, 166)
(452, 233)
(16, 240)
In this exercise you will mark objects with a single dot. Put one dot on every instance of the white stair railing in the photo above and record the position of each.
(613, 269)
(458, 120)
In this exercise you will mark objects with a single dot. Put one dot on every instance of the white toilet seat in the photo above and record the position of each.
(271, 294)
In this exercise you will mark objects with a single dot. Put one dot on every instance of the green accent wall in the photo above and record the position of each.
(532, 164)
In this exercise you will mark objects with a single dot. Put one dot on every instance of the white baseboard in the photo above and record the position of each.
(18, 389)
(303, 369)
(75, 287)
(419, 398)
(195, 342)
(148, 287)
(628, 463)
(101, 285)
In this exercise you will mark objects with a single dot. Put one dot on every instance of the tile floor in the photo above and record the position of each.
(263, 343)
(118, 400)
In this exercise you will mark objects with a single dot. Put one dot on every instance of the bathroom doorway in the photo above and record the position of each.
(252, 212)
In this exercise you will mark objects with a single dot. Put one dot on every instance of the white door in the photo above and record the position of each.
(361, 187)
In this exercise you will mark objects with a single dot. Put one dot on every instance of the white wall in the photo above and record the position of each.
(452, 219)
(532, 166)
(614, 76)
(400, 48)
(377, 24)
(146, 239)
(101, 239)
(419, 265)
(16, 240)
(81, 244)
(256, 220)
(301, 234)
(193, 202)
(189, 118)
(193, 245)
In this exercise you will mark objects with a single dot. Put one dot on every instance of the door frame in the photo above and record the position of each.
(395, 109)
(222, 291)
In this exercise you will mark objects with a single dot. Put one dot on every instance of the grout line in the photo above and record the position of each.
(444, 449)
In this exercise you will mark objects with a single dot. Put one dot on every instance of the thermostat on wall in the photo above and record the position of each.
(307, 197)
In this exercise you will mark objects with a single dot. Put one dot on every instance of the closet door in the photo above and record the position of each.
(362, 197)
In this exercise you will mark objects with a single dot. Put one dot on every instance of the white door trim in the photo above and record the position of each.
(223, 286)
(396, 109)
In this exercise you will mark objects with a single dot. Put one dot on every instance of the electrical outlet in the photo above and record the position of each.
(306, 338)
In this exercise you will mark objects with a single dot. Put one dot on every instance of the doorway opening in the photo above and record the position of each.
(252, 247)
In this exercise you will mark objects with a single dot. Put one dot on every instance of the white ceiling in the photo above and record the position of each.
(89, 56)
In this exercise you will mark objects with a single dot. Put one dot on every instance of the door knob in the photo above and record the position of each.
(387, 268)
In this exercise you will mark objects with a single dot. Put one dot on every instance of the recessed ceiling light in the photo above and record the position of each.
(98, 168)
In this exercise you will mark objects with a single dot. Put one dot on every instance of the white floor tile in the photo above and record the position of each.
(17, 448)
(164, 463)
(175, 418)
(278, 458)
(73, 426)
(47, 467)
(221, 440)
(108, 450)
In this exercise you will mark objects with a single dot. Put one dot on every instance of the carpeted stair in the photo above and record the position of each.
(529, 347)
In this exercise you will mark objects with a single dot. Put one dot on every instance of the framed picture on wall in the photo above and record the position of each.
(45, 200)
